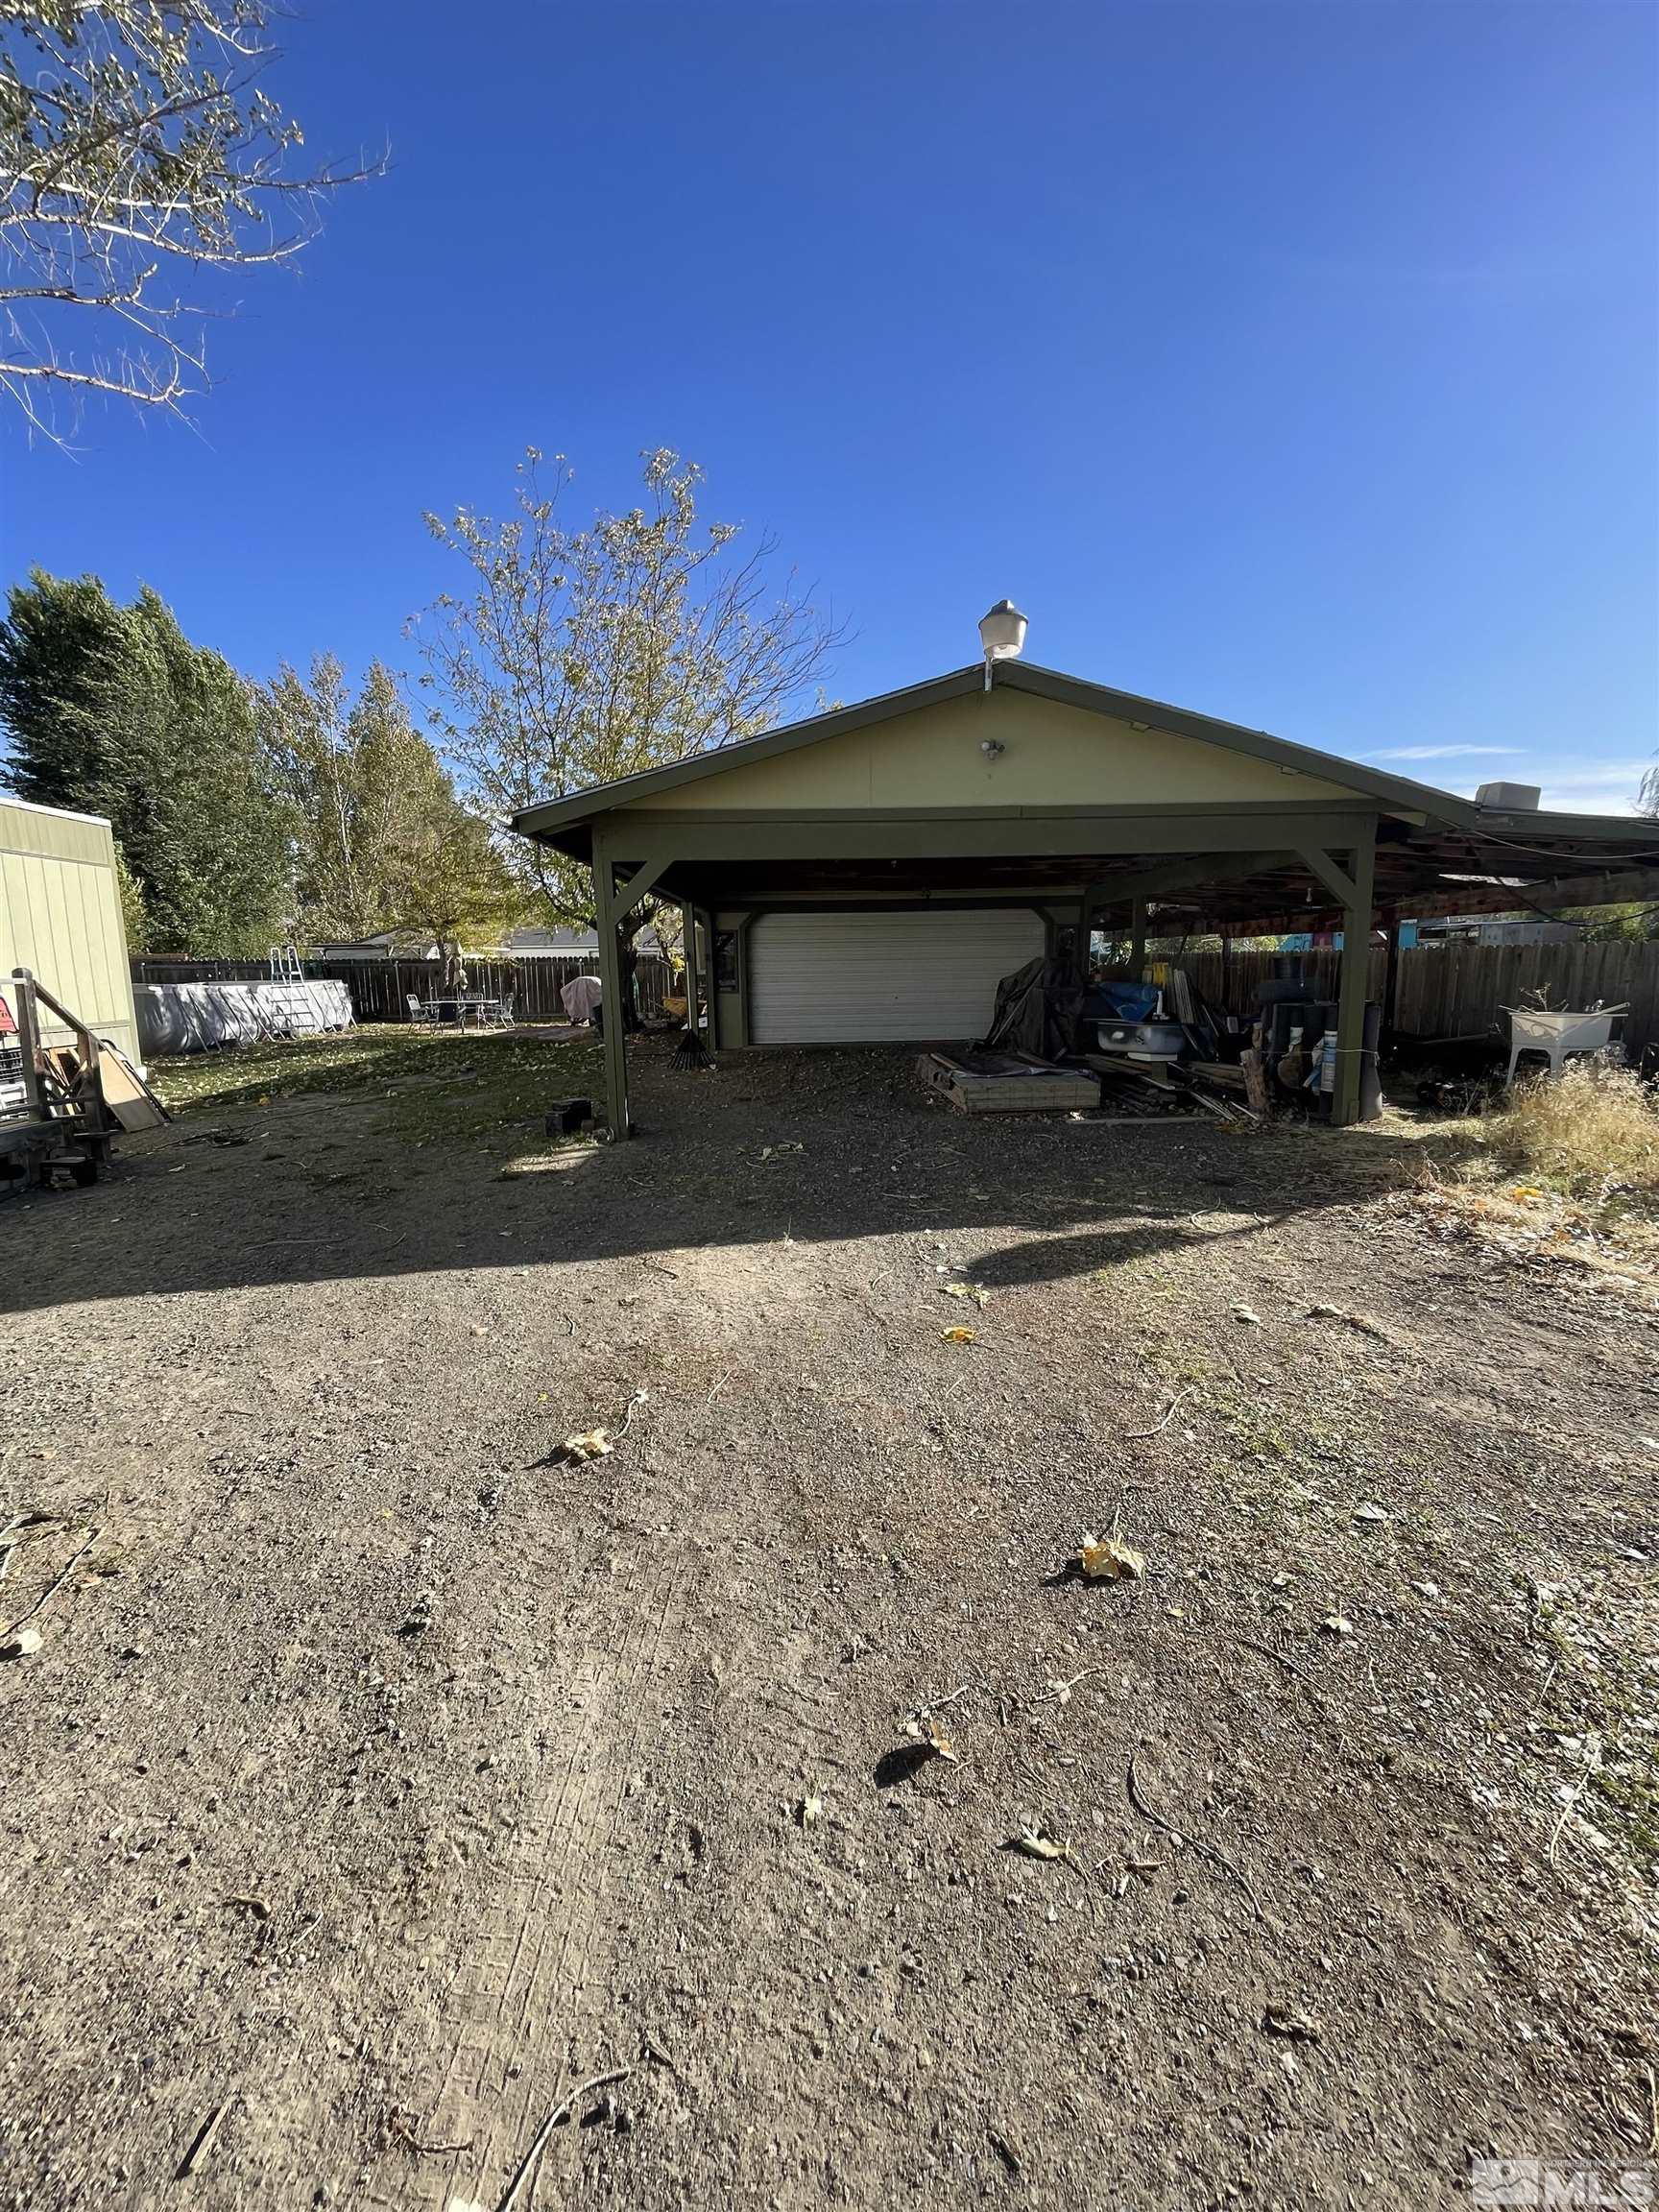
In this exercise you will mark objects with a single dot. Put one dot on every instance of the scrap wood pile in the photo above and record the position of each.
(1123, 1050)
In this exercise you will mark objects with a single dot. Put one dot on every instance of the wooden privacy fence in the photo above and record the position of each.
(381, 989)
(1453, 990)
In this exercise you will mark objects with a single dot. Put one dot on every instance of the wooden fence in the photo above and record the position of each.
(381, 989)
(1453, 990)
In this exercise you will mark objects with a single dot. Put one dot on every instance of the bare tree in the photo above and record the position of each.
(137, 149)
(1648, 798)
(578, 656)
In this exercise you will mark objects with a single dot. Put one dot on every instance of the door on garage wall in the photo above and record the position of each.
(883, 979)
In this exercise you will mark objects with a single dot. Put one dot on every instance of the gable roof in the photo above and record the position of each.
(1395, 792)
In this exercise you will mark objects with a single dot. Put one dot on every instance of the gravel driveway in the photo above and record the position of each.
(383, 1776)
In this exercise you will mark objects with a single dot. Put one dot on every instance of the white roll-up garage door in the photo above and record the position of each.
(875, 978)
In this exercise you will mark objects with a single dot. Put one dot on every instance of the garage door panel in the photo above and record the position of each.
(882, 979)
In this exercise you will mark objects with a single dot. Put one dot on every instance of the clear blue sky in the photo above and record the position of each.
(1296, 364)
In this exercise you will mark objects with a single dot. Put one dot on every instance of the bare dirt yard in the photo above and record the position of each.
(383, 1776)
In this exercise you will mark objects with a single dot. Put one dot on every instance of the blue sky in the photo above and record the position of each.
(1295, 364)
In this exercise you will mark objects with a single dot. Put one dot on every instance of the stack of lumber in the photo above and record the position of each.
(982, 1082)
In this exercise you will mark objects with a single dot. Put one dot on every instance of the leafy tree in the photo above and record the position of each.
(449, 880)
(344, 765)
(112, 711)
(138, 150)
(381, 840)
(55, 638)
(574, 656)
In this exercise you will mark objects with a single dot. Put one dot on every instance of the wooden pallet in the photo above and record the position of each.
(1008, 1083)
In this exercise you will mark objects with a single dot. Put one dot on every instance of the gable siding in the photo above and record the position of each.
(1053, 756)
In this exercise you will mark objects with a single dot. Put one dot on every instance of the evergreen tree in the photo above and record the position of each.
(110, 710)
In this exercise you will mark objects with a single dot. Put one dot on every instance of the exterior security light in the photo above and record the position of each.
(1003, 632)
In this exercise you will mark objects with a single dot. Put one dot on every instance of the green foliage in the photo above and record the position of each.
(135, 914)
(381, 840)
(138, 149)
(577, 656)
(1632, 923)
(112, 710)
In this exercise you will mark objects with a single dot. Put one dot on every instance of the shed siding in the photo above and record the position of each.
(61, 917)
(1053, 756)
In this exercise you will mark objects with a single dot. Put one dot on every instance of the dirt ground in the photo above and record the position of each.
(382, 1777)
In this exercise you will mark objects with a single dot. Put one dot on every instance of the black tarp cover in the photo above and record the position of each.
(1036, 1012)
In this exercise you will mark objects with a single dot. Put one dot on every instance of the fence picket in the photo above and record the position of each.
(1460, 989)
(381, 989)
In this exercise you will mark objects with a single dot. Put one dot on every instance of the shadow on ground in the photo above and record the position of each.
(352, 1176)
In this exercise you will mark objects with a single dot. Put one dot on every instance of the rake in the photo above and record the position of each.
(690, 1051)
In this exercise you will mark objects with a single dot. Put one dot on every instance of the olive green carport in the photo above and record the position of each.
(954, 795)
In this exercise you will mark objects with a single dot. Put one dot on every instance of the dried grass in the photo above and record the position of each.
(1592, 1130)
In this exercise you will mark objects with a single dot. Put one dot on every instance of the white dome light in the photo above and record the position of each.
(1003, 632)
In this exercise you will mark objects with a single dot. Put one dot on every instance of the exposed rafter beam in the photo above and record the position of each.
(1186, 875)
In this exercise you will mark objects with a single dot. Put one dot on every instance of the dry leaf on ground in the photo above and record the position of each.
(1110, 1559)
(588, 1444)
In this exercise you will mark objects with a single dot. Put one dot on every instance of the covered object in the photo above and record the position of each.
(874, 873)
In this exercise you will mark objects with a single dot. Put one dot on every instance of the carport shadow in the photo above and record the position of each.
(1093, 1251)
(328, 1192)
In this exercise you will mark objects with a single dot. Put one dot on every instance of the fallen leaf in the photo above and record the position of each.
(588, 1444)
(1038, 1843)
(23, 1645)
(1109, 1559)
(1370, 1513)
(1246, 1313)
(254, 1905)
(809, 1810)
(923, 1728)
(958, 1335)
(978, 1291)
(1338, 1625)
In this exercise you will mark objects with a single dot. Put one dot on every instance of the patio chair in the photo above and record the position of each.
(501, 1013)
(420, 1011)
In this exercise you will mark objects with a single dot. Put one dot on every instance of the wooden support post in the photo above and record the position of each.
(1354, 986)
(688, 945)
(1226, 972)
(1138, 940)
(610, 976)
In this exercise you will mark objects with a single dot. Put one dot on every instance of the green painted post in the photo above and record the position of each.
(689, 946)
(610, 976)
(1353, 984)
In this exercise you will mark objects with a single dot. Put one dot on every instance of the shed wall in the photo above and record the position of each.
(60, 918)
